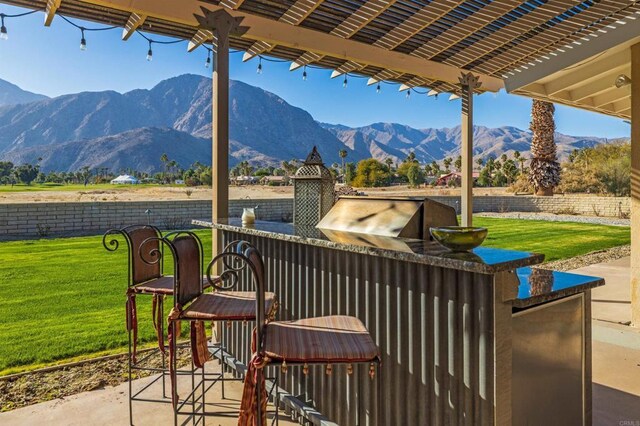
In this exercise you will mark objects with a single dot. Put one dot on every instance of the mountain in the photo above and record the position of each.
(132, 130)
(10, 94)
(263, 127)
(382, 140)
(139, 149)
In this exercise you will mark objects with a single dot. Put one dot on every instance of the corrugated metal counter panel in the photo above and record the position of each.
(433, 327)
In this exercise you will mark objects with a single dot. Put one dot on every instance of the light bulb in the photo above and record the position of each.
(150, 55)
(3, 33)
(83, 44)
(208, 62)
(378, 88)
(408, 93)
(259, 70)
(344, 83)
(304, 73)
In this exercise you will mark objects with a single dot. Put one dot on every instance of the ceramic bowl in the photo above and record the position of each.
(459, 238)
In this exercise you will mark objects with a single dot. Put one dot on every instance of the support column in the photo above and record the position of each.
(222, 24)
(635, 185)
(469, 83)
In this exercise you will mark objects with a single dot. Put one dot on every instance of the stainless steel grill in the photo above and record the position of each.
(392, 216)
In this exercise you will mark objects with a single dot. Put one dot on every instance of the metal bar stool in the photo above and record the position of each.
(194, 306)
(327, 340)
(144, 278)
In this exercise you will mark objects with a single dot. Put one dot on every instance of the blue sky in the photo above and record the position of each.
(49, 61)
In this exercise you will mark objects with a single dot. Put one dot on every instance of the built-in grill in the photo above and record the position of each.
(407, 217)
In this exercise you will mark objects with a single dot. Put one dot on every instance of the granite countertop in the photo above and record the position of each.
(542, 285)
(482, 260)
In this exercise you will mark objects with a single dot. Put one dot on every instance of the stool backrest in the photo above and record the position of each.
(134, 235)
(187, 252)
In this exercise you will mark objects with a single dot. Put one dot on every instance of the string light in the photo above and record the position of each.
(150, 52)
(259, 70)
(344, 82)
(208, 62)
(378, 89)
(83, 41)
(409, 93)
(3, 29)
(4, 34)
(304, 73)
(151, 41)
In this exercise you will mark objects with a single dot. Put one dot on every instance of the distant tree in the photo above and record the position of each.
(411, 157)
(447, 164)
(415, 176)
(428, 170)
(85, 175)
(26, 173)
(165, 160)
(6, 169)
(504, 158)
(510, 171)
(435, 167)
(349, 173)
(370, 173)
(458, 163)
(480, 162)
(343, 154)
(389, 162)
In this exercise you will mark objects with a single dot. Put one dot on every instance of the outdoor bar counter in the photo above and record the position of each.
(466, 338)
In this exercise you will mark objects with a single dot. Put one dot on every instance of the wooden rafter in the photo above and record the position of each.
(293, 16)
(231, 4)
(200, 37)
(133, 23)
(50, 11)
(350, 26)
(548, 41)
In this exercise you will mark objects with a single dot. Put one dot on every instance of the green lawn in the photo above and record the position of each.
(35, 187)
(64, 298)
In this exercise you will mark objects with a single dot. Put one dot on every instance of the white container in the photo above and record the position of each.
(248, 215)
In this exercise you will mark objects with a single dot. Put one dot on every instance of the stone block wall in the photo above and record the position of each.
(18, 221)
(22, 221)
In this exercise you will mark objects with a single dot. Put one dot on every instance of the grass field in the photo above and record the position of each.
(64, 298)
(36, 187)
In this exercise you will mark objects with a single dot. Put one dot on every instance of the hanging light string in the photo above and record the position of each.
(4, 35)
(83, 40)
(152, 41)
(210, 52)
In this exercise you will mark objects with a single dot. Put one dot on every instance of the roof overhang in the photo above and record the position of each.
(584, 74)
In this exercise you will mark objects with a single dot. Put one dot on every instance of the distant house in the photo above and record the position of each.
(445, 179)
(125, 180)
(179, 182)
(244, 180)
(275, 180)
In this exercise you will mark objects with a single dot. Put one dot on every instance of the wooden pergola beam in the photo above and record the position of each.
(297, 37)
(133, 23)
(50, 11)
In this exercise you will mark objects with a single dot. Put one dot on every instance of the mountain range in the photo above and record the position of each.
(131, 130)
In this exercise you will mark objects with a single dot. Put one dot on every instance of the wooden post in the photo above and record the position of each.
(635, 185)
(469, 83)
(221, 24)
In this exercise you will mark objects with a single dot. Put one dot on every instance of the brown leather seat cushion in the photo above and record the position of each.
(330, 339)
(163, 285)
(227, 306)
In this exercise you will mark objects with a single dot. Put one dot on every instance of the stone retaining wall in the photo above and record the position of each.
(19, 221)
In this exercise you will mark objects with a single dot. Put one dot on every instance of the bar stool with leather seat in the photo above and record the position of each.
(144, 279)
(326, 340)
(194, 306)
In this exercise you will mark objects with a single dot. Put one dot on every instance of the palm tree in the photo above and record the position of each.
(343, 154)
(388, 161)
(165, 159)
(480, 162)
(544, 171)
(447, 163)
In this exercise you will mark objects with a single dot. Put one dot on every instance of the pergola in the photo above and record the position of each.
(564, 51)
